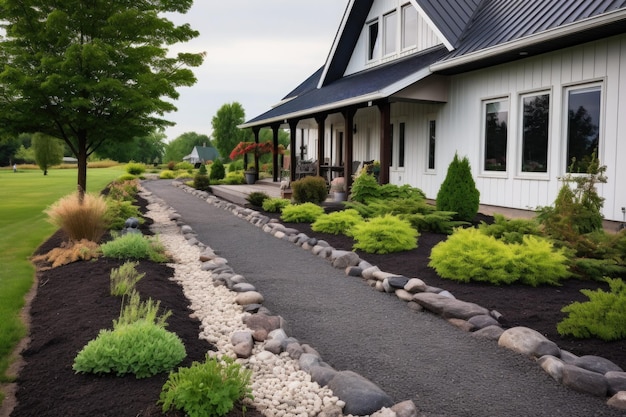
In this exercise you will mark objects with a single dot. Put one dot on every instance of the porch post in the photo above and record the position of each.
(292, 145)
(385, 141)
(275, 128)
(321, 125)
(255, 130)
(348, 116)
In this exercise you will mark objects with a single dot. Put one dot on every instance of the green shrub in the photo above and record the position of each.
(118, 211)
(234, 178)
(365, 188)
(598, 268)
(208, 389)
(182, 175)
(384, 234)
(311, 189)
(338, 222)
(124, 278)
(510, 230)
(202, 170)
(167, 174)
(256, 198)
(134, 310)
(469, 255)
(217, 170)
(184, 166)
(86, 220)
(201, 182)
(435, 221)
(141, 348)
(301, 213)
(127, 177)
(135, 246)
(123, 189)
(236, 165)
(603, 316)
(135, 168)
(458, 192)
(389, 191)
(275, 205)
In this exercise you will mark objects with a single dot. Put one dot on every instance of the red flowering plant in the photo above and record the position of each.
(244, 148)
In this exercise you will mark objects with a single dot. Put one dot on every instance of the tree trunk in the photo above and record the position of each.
(82, 165)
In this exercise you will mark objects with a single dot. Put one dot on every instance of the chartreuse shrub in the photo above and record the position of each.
(80, 220)
(275, 205)
(469, 255)
(234, 178)
(310, 189)
(208, 389)
(458, 191)
(301, 213)
(124, 278)
(167, 174)
(338, 222)
(139, 344)
(135, 168)
(135, 246)
(385, 234)
(365, 188)
(603, 316)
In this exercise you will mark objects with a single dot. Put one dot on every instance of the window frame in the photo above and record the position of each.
(388, 18)
(431, 145)
(597, 85)
(483, 147)
(521, 138)
(373, 50)
(403, 27)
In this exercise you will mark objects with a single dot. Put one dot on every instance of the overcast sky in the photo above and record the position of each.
(257, 52)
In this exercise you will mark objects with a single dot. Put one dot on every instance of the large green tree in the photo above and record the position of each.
(48, 151)
(147, 149)
(226, 134)
(182, 146)
(91, 71)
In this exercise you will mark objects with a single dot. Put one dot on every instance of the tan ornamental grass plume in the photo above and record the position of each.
(78, 220)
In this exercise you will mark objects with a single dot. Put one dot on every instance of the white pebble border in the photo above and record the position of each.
(279, 387)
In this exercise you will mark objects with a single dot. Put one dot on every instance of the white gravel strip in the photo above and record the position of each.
(279, 387)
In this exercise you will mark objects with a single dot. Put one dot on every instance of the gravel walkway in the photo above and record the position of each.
(411, 356)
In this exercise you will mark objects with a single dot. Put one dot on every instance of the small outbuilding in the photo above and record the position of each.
(202, 154)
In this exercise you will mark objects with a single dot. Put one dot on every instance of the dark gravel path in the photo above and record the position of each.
(416, 356)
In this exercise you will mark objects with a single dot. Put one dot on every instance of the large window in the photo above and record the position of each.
(583, 126)
(401, 142)
(373, 44)
(496, 134)
(432, 139)
(409, 26)
(535, 131)
(391, 31)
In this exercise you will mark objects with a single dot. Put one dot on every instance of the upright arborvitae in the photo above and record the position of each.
(458, 192)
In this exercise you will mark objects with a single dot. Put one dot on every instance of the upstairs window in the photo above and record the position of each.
(391, 30)
(409, 26)
(496, 134)
(535, 131)
(583, 126)
(373, 44)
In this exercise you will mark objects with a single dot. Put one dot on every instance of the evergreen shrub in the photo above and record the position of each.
(118, 211)
(218, 171)
(385, 234)
(510, 230)
(365, 188)
(256, 198)
(458, 192)
(301, 213)
(135, 168)
(167, 174)
(338, 222)
(201, 182)
(310, 189)
(603, 316)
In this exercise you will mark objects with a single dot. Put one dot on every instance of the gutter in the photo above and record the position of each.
(548, 35)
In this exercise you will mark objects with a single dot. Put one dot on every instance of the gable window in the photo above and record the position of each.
(535, 131)
(372, 30)
(391, 29)
(496, 119)
(583, 126)
(432, 135)
(409, 26)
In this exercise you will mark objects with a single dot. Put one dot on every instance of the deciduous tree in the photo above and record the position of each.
(91, 71)
(225, 131)
(48, 151)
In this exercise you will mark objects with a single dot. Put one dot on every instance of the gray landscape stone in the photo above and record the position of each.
(483, 320)
(405, 409)
(464, 325)
(322, 374)
(344, 259)
(528, 342)
(431, 301)
(397, 282)
(458, 309)
(242, 287)
(616, 380)
(415, 285)
(552, 366)
(250, 297)
(596, 364)
(307, 360)
(362, 397)
(242, 344)
(262, 325)
(404, 295)
(489, 332)
(618, 401)
(585, 381)
(368, 273)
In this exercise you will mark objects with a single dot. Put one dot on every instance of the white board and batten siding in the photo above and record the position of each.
(459, 125)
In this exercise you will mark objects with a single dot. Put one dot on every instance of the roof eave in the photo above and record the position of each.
(552, 34)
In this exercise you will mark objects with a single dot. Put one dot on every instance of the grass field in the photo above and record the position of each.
(23, 227)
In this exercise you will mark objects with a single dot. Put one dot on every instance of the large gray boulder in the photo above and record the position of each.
(362, 397)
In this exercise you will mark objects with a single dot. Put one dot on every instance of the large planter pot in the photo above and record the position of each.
(339, 196)
(250, 177)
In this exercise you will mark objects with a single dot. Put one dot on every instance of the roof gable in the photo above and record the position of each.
(450, 17)
(207, 153)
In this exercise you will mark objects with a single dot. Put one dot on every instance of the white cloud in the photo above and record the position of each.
(257, 52)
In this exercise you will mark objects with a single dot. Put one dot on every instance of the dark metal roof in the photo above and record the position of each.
(357, 85)
(451, 16)
(500, 21)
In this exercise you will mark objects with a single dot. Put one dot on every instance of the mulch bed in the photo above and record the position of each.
(72, 304)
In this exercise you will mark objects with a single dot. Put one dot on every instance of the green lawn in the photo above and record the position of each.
(23, 227)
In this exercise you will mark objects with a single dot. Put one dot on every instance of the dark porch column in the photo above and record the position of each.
(321, 126)
(275, 168)
(256, 131)
(348, 117)
(385, 141)
(292, 145)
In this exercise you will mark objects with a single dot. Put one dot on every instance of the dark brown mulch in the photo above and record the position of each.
(73, 303)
